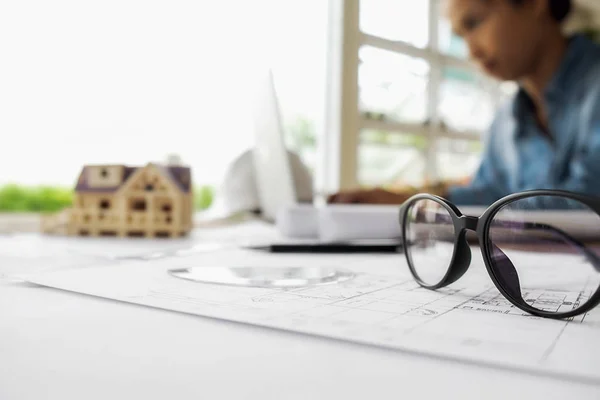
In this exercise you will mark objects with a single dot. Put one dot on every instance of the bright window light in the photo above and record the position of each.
(132, 81)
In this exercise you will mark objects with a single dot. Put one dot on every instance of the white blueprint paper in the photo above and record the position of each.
(24, 253)
(382, 306)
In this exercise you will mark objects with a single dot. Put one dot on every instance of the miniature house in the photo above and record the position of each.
(117, 200)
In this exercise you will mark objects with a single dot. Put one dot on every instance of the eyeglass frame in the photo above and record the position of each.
(461, 254)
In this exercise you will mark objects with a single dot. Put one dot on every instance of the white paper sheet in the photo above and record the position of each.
(31, 252)
(382, 306)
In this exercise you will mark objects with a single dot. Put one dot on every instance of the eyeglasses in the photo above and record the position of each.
(529, 242)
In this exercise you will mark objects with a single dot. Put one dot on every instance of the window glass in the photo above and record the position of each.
(457, 160)
(467, 100)
(399, 20)
(449, 43)
(392, 159)
(392, 86)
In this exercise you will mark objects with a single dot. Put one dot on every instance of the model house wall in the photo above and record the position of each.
(117, 200)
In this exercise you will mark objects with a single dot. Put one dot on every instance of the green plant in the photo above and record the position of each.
(16, 198)
(398, 140)
(19, 198)
(203, 197)
(302, 134)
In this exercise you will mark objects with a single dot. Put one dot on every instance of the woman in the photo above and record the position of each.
(548, 135)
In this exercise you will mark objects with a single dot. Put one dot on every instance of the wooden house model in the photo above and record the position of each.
(117, 200)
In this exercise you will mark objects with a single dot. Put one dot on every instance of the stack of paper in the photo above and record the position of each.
(347, 222)
(340, 222)
(353, 221)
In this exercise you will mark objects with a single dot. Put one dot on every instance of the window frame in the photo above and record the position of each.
(344, 121)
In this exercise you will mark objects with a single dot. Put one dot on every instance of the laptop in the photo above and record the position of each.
(274, 178)
(272, 169)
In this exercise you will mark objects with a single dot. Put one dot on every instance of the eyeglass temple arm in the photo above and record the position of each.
(592, 257)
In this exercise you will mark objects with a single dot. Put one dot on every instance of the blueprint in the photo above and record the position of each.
(30, 252)
(382, 306)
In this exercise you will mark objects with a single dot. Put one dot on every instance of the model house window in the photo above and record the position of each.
(138, 205)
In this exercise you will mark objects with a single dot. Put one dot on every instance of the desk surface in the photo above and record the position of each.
(58, 345)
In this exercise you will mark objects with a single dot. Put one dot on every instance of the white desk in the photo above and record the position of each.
(58, 345)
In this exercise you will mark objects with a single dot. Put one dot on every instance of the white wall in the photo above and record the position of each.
(129, 81)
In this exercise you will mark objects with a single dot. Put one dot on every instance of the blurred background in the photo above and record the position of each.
(372, 92)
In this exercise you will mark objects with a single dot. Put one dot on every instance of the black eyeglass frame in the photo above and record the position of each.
(461, 256)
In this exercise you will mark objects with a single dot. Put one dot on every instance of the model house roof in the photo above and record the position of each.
(180, 176)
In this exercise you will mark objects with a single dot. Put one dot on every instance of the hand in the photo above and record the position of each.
(371, 196)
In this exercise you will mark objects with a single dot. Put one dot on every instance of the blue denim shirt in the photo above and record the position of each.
(518, 156)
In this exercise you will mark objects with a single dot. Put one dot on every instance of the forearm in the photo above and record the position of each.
(463, 195)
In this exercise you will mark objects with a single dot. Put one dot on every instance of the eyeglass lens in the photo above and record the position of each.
(429, 232)
(543, 237)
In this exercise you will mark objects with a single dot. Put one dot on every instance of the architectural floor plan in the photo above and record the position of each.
(382, 306)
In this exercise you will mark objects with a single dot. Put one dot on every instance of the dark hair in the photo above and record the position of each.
(559, 9)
